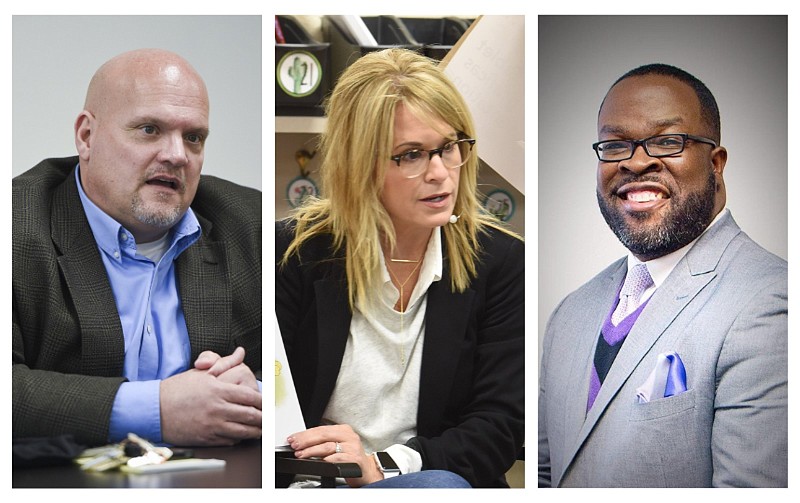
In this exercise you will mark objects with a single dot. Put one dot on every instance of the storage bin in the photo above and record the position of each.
(302, 71)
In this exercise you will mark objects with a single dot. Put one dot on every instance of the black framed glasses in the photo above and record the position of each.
(414, 162)
(661, 145)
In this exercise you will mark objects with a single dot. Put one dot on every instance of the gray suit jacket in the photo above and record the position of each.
(68, 347)
(723, 309)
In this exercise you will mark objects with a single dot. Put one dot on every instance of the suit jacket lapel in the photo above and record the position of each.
(669, 300)
(445, 329)
(102, 341)
(578, 389)
(685, 282)
(207, 310)
(333, 326)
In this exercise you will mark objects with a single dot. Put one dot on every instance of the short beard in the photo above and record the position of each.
(162, 218)
(687, 219)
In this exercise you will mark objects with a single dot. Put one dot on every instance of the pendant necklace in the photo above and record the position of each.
(402, 296)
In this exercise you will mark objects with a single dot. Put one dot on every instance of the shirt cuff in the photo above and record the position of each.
(406, 458)
(136, 410)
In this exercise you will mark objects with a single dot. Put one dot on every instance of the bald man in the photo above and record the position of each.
(137, 280)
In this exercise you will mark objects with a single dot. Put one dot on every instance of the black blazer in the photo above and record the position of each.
(472, 389)
(68, 347)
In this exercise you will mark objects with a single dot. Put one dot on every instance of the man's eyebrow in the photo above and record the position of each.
(149, 119)
(204, 132)
(657, 124)
(667, 122)
(609, 129)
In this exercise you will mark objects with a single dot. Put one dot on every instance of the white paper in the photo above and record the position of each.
(288, 417)
(488, 68)
(357, 29)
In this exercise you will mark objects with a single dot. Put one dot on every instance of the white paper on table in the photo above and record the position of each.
(288, 417)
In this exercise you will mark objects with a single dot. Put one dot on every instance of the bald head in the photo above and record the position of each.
(141, 139)
(135, 71)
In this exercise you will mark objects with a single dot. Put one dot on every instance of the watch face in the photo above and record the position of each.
(386, 462)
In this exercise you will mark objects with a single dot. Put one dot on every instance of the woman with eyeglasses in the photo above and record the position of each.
(400, 300)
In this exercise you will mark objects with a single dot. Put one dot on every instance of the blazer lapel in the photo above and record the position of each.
(207, 309)
(578, 387)
(445, 329)
(102, 341)
(667, 303)
(333, 326)
(685, 282)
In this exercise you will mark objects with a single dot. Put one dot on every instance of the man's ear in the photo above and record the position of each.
(719, 156)
(84, 127)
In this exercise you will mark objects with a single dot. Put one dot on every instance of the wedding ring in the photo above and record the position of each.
(338, 448)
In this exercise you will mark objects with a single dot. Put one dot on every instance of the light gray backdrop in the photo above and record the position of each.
(742, 60)
(54, 57)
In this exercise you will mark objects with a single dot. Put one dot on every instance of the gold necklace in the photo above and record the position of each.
(402, 307)
(404, 261)
(403, 284)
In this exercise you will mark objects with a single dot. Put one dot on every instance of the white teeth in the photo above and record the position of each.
(644, 196)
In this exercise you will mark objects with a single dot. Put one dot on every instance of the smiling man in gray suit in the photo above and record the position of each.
(669, 368)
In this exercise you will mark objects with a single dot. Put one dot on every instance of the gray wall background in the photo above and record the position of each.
(54, 57)
(742, 60)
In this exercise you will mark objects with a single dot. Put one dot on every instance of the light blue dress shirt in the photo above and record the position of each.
(146, 294)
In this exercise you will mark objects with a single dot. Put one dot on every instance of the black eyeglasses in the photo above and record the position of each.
(661, 145)
(455, 153)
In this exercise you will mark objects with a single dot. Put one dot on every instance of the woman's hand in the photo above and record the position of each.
(322, 441)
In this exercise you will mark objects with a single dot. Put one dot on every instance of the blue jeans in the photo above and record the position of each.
(423, 479)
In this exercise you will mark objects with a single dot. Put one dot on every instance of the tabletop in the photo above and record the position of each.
(242, 470)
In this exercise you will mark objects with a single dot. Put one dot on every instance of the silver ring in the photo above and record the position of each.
(338, 448)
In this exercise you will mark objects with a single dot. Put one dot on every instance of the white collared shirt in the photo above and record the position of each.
(661, 267)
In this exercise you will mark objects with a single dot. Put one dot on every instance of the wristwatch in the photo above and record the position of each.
(386, 464)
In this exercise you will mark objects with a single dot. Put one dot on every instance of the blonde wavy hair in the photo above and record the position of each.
(355, 149)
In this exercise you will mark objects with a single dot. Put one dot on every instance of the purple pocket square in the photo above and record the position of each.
(668, 378)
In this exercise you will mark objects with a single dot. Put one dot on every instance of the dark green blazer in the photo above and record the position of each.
(68, 347)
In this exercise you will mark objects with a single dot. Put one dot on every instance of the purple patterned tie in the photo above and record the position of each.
(636, 282)
(616, 327)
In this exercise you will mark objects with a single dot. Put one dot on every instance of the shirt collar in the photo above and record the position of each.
(659, 268)
(431, 262)
(113, 238)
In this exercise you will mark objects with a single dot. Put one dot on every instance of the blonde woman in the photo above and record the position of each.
(400, 301)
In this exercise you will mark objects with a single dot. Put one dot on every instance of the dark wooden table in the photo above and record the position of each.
(242, 470)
